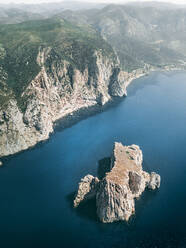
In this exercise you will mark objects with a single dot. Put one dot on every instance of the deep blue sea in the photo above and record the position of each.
(37, 186)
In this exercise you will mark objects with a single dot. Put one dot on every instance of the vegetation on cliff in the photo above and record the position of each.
(142, 35)
(52, 67)
(139, 34)
(20, 44)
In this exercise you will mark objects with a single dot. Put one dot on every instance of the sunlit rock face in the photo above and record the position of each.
(116, 192)
(54, 94)
(87, 189)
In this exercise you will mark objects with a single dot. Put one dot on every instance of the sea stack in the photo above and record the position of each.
(116, 192)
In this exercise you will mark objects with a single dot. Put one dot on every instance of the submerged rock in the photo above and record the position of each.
(116, 191)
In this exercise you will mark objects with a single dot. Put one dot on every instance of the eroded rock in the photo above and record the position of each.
(155, 181)
(116, 191)
(87, 189)
(114, 201)
(53, 94)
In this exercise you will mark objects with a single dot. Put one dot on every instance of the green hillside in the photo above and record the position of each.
(20, 44)
(139, 35)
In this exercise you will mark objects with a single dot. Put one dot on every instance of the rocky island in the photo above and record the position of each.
(116, 192)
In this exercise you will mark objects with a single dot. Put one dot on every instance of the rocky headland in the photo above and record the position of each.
(53, 78)
(124, 182)
(57, 94)
(55, 71)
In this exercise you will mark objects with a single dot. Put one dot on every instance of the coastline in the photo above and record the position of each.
(85, 112)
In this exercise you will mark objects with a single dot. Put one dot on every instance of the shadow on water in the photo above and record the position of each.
(68, 121)
(140, 204)
(87, 112)
(86, 210)
(103, 167)
(37, 146)
(84, 113)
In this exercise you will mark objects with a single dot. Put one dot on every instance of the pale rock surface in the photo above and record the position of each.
(116, 192)
(55, 94)
(87, 189)
(155, 181)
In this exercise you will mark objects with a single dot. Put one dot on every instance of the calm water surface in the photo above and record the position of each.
(37, 186)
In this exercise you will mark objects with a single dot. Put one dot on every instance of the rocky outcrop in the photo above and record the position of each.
(116, 192)
(87, 189)
(57, 91)
(155, 181)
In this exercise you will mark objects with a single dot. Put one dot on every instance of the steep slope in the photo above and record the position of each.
(16, 12)
(14, 15)
(140, 35)
(50, 69)
(116, 192)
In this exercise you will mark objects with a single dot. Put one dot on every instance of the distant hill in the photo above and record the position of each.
(13, 15)
(155, 4)
(20, 44)
(140, 35)
(55, 61)
(44, 10)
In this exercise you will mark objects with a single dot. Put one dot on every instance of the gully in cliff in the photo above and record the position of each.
(116, 192)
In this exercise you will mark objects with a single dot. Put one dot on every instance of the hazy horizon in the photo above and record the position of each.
(89, 1)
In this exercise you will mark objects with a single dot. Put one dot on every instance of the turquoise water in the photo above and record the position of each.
(37, 186)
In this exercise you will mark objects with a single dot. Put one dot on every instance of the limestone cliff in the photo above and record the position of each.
(116, 192)
(49, 70)
(52, 71)
(59, 89)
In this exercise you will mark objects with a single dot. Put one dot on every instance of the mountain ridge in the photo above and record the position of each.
(53, 67)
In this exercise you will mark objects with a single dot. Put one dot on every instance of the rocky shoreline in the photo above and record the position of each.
(84, 111)
(46, 111)
(116, 192)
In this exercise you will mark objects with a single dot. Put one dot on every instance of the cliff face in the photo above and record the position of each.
(58, 89)
(116, 192)
(50, 69)
(125, 182)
